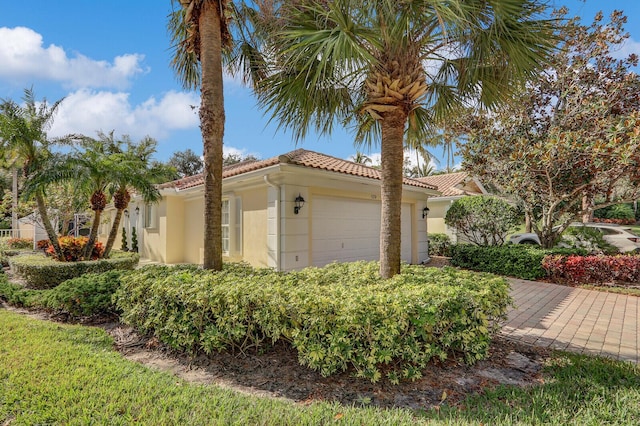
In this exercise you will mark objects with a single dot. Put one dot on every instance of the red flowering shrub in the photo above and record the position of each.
(43, 244)
(20, 243)
(72, 248)
(593, 269)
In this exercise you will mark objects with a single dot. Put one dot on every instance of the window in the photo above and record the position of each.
(226, 243)
(150, 216)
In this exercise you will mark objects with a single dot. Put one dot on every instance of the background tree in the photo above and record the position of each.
(573, 131)
(392, 67)
(187, 163)
(482, 220)
(199, 33)
(136, 173)
(361, 158)
(23, 135)
(231, 159)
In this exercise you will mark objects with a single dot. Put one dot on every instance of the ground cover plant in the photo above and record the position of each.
(59, 374)
(340, 317)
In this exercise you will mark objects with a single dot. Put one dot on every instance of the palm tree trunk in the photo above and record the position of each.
(46, 222)
(88, 249)
(14, 203)
(113, 233)
(391, 192)
(212, 124)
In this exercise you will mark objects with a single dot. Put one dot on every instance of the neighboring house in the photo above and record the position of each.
(452, 186)
(338, 221)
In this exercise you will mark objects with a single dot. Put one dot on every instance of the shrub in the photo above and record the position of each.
(590, 239)
(88, 295)
(593, 269)
(520, 261)
(43, 244)
(73, 248)
(483, 220)
(621, 211)
(20, 243)
(439, 244)
(43, 272)
(338, 317)
(134, 240)
(124, 246)
(615, 221)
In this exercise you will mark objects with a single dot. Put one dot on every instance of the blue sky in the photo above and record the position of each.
(110, 61)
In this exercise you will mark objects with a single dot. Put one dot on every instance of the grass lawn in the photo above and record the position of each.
(61, 374)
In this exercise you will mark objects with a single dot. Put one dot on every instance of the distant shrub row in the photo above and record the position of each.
(339, 317)
(520, 261)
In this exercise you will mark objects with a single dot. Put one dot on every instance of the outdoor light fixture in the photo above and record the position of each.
(126, 213)
(299, 203)
(425, 212)
(137, 211)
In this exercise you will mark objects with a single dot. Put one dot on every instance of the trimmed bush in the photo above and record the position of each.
(41, 272)
(514, 260)
(439, 244)
(88, 295)
(339, 317)
(483, 220)
(20, 243)
(593, 269)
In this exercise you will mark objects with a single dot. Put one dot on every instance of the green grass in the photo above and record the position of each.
(60, 374)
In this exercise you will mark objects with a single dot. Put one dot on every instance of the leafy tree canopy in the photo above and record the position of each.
(571, 136)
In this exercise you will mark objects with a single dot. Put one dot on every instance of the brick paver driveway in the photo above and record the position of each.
(573, 319)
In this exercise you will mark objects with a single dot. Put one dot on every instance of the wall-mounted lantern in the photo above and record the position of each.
(299, 202)
(425, 212)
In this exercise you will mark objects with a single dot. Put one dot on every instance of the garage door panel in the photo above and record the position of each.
(348, 230)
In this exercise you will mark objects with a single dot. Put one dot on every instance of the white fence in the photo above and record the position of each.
(16, 233)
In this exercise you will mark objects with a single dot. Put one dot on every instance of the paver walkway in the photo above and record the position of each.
(573, 319)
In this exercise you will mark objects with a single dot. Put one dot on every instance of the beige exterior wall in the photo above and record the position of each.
(254, 226)
(193, 230)
(437, 212)
(154, 239)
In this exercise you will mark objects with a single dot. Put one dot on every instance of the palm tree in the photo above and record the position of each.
(394, 66)
(23, 134)
(361, 158)
(138, 174)
(199, 32)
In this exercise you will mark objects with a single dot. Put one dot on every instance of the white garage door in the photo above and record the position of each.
(346, 230)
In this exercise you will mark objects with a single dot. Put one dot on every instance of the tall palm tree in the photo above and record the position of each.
(23, 134)
(136, 173)
(393, 66)
(199, 31)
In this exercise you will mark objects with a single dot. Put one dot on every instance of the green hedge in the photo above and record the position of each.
(41, 272)
(90, 294)
(339, 317)
(514, 260)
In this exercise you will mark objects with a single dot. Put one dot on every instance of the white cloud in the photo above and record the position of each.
(627, 48)
(86, 112)
(24, 57)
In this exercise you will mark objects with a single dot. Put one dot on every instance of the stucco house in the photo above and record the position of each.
(295, 210)
(452, 186)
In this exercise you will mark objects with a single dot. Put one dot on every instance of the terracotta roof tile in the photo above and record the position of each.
(299, 157)
(447, 183)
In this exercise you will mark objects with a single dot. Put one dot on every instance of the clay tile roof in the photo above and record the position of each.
(447, 183)
(300, 157)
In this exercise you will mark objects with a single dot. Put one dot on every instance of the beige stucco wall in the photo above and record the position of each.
(254, 226)
(437, 211)
(193, 230)
(154, 239)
